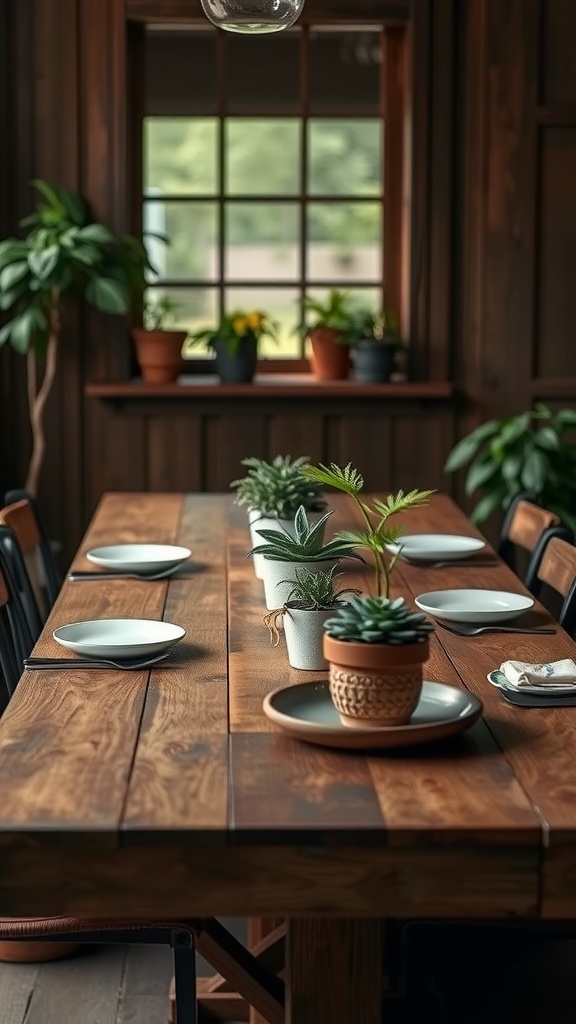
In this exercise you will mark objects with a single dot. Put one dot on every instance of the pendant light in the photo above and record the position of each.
(252, 16)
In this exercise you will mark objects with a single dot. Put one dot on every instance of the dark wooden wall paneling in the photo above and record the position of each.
(492, 242)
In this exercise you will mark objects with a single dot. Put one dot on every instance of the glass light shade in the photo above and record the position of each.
(252, 16)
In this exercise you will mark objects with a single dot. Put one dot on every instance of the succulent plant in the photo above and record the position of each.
(317, 591)
(307, 545)
(278, 488)
(376, 535)
(378, 620)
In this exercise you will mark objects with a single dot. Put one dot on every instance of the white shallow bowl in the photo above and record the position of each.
(139, 557)
(118, 638)
(477, 606)
(429, 546)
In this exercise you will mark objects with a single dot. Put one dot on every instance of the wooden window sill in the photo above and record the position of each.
(283, 385)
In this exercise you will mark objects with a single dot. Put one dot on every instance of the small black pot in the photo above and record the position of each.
(236, 367)
(374, 361)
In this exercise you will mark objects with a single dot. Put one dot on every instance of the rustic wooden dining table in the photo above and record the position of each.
(168, 792)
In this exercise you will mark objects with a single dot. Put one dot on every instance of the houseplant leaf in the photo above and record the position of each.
(108, 295)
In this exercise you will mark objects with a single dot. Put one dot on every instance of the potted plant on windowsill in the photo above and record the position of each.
(159, 347)
(284, 555)
(375, 346)
(234, 342)
(376, 648)
(327, 325)
(313, 598)
(273, 492)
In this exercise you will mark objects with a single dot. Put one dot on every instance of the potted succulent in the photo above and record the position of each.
(533, 452)
(376, 536)
(159, 347)
(313, 597)
(273, 492)
(65, 256)
(327, 325)
(376, 648)
(285, 554)
(234, 342)
(375, 346)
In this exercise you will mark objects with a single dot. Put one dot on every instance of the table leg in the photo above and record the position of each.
(258, 929)
(334, 971)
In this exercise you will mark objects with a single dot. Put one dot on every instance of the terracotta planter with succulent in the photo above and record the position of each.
(284, 555)
(376, 649)
(327, 325)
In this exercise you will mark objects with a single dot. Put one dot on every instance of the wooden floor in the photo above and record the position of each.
(471, 981)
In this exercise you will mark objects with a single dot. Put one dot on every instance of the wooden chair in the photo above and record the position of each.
(14, 561)
(529, 527)
(557, 570)
(16, 640)
(51, 573)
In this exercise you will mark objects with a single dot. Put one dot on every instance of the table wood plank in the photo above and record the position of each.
(125, 517)
(180, 777)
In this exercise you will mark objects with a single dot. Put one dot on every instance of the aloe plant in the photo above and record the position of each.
(307, 544)
(377, 535)
(378, 620)
(317, 591)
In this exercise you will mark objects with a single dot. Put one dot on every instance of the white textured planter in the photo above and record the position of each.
(304, 632)
(277, 593)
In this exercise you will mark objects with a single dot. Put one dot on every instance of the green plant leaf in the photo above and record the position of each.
(108, 296)
(565, 418)
(534, 471)
(42, 262)
(96, 233)
(12, 274)
(52, 194)
(22, 331)
(486, 506)
(512, 467)
(515, 428)
(466, 449)
(12, 251)
(479, 474)
(90, 255)
(547, 438)
(5, 333)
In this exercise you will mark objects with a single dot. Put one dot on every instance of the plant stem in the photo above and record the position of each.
(379, 563)
(37, 398)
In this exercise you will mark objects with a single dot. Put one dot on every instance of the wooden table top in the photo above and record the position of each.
(169, 791)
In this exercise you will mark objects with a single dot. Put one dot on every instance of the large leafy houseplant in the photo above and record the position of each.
(66, 254)
(531, 452)
(376, 535)
(276, 489)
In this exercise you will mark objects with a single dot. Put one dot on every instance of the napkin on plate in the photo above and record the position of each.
(523, 675)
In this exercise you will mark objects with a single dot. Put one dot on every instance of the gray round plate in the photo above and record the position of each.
(306, 711)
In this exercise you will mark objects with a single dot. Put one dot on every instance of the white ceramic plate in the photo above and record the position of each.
(306, 711)
(478, 606)
(144, 558)
(427, 547)
(118, 638)
(497, 678)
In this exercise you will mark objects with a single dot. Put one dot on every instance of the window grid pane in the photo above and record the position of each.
(265, 209)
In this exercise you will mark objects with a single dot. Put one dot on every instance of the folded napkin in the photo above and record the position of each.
(523, 675)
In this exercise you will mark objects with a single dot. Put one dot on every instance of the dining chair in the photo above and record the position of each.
(16, 639)
(13, 559)
(51, 573)
(529, 527)
(557, 570)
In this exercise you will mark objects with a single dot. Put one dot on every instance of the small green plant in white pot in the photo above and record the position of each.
(284, 555)
(376, 648)
(313, 598)
(273, 492)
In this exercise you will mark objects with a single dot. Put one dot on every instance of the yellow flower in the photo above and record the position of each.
(240, 325)
(255, 321)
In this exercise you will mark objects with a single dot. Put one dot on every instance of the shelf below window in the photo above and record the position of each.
(285, 385)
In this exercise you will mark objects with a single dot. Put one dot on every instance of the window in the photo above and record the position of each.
(264, 164)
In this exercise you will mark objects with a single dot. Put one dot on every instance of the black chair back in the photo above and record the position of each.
(12, 561)
(52, 574)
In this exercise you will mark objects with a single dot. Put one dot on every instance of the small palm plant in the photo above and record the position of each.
(377, 535)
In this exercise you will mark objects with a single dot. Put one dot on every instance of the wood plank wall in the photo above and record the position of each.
(492, 246)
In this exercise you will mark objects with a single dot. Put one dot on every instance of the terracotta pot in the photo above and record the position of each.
(374, 685)
(159, 354)
(330, 359)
